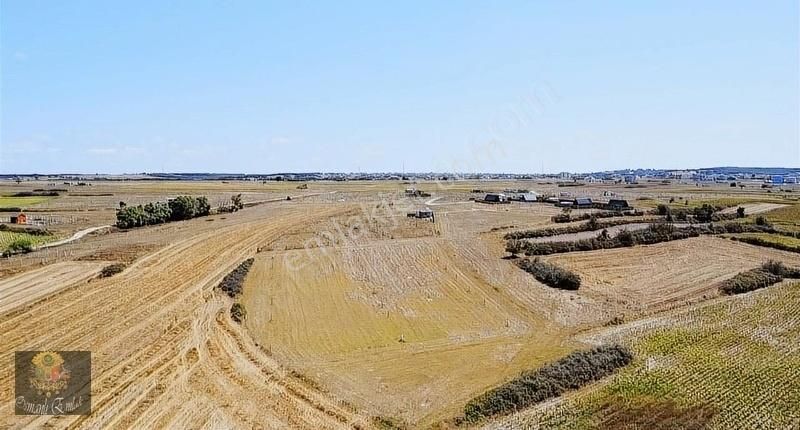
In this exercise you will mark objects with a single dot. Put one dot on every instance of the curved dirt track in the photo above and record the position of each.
(165, 353)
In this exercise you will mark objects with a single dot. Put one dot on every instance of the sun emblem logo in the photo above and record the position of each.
(48, 373)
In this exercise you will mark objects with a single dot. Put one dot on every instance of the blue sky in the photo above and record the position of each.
(236, 86)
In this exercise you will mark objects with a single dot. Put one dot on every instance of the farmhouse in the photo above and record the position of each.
(495, 198)
(528, 197)
(582, 203)
(19, 219)
(617, 205)
(422, 214)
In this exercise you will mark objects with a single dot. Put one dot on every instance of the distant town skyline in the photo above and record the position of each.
(260, 87)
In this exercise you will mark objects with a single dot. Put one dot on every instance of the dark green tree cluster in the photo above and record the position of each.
(179, 208)
(569, 373)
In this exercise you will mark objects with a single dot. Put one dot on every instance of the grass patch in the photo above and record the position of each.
(732, 364)
(786, 218)
(13, 241)
(22, 202)
(777, 241)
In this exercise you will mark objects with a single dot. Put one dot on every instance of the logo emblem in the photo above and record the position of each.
(48, 373)
(52, 382)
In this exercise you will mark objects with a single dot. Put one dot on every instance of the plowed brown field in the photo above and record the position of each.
(165, 353)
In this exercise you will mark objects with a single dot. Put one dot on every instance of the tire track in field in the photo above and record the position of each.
(163, 345)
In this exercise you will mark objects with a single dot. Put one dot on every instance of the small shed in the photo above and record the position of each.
(426, 213)
(19, 219)
(582, 203)
(495, 198)
(618, 205)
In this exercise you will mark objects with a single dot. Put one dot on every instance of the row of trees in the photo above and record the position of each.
(177, 209)
(655, 233)
(591, 225)
(567, 216)
(569, 373)
(704, 213)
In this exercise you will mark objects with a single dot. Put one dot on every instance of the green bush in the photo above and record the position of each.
(238, 313)
(780, 269)
(112, 270)
(20, 245)
(749, 281)
(550, 274)
(569, 373)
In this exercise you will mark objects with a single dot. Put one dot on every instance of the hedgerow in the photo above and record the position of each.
(780, 269)
(550, 274)
(552, 380)
(766, 243)
(591, 225)
(232, 282)
(748, 281)
(655, 233)
(562, 218)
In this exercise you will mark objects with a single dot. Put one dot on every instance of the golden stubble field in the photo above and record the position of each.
(351, 313)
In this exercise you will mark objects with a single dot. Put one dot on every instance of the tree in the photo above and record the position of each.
(592, 224)
(740, 212)
(704, 213)
(202, 207)
(236, 202)
(183, 207)
(604, 235)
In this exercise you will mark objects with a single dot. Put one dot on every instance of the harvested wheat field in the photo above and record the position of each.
(402, 319)
(164, 351)
(354, 315)
(662, 276)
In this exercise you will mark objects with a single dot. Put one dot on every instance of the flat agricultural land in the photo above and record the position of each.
(22, 202)
(355, 311)
(657, 277)
(9, 237)
(730, 363)
(358, 318)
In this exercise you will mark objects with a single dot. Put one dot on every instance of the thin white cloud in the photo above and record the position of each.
(102, 151)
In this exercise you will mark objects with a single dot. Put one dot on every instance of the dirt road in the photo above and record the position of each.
(74, 237)
(753, 208)
(165, 353)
